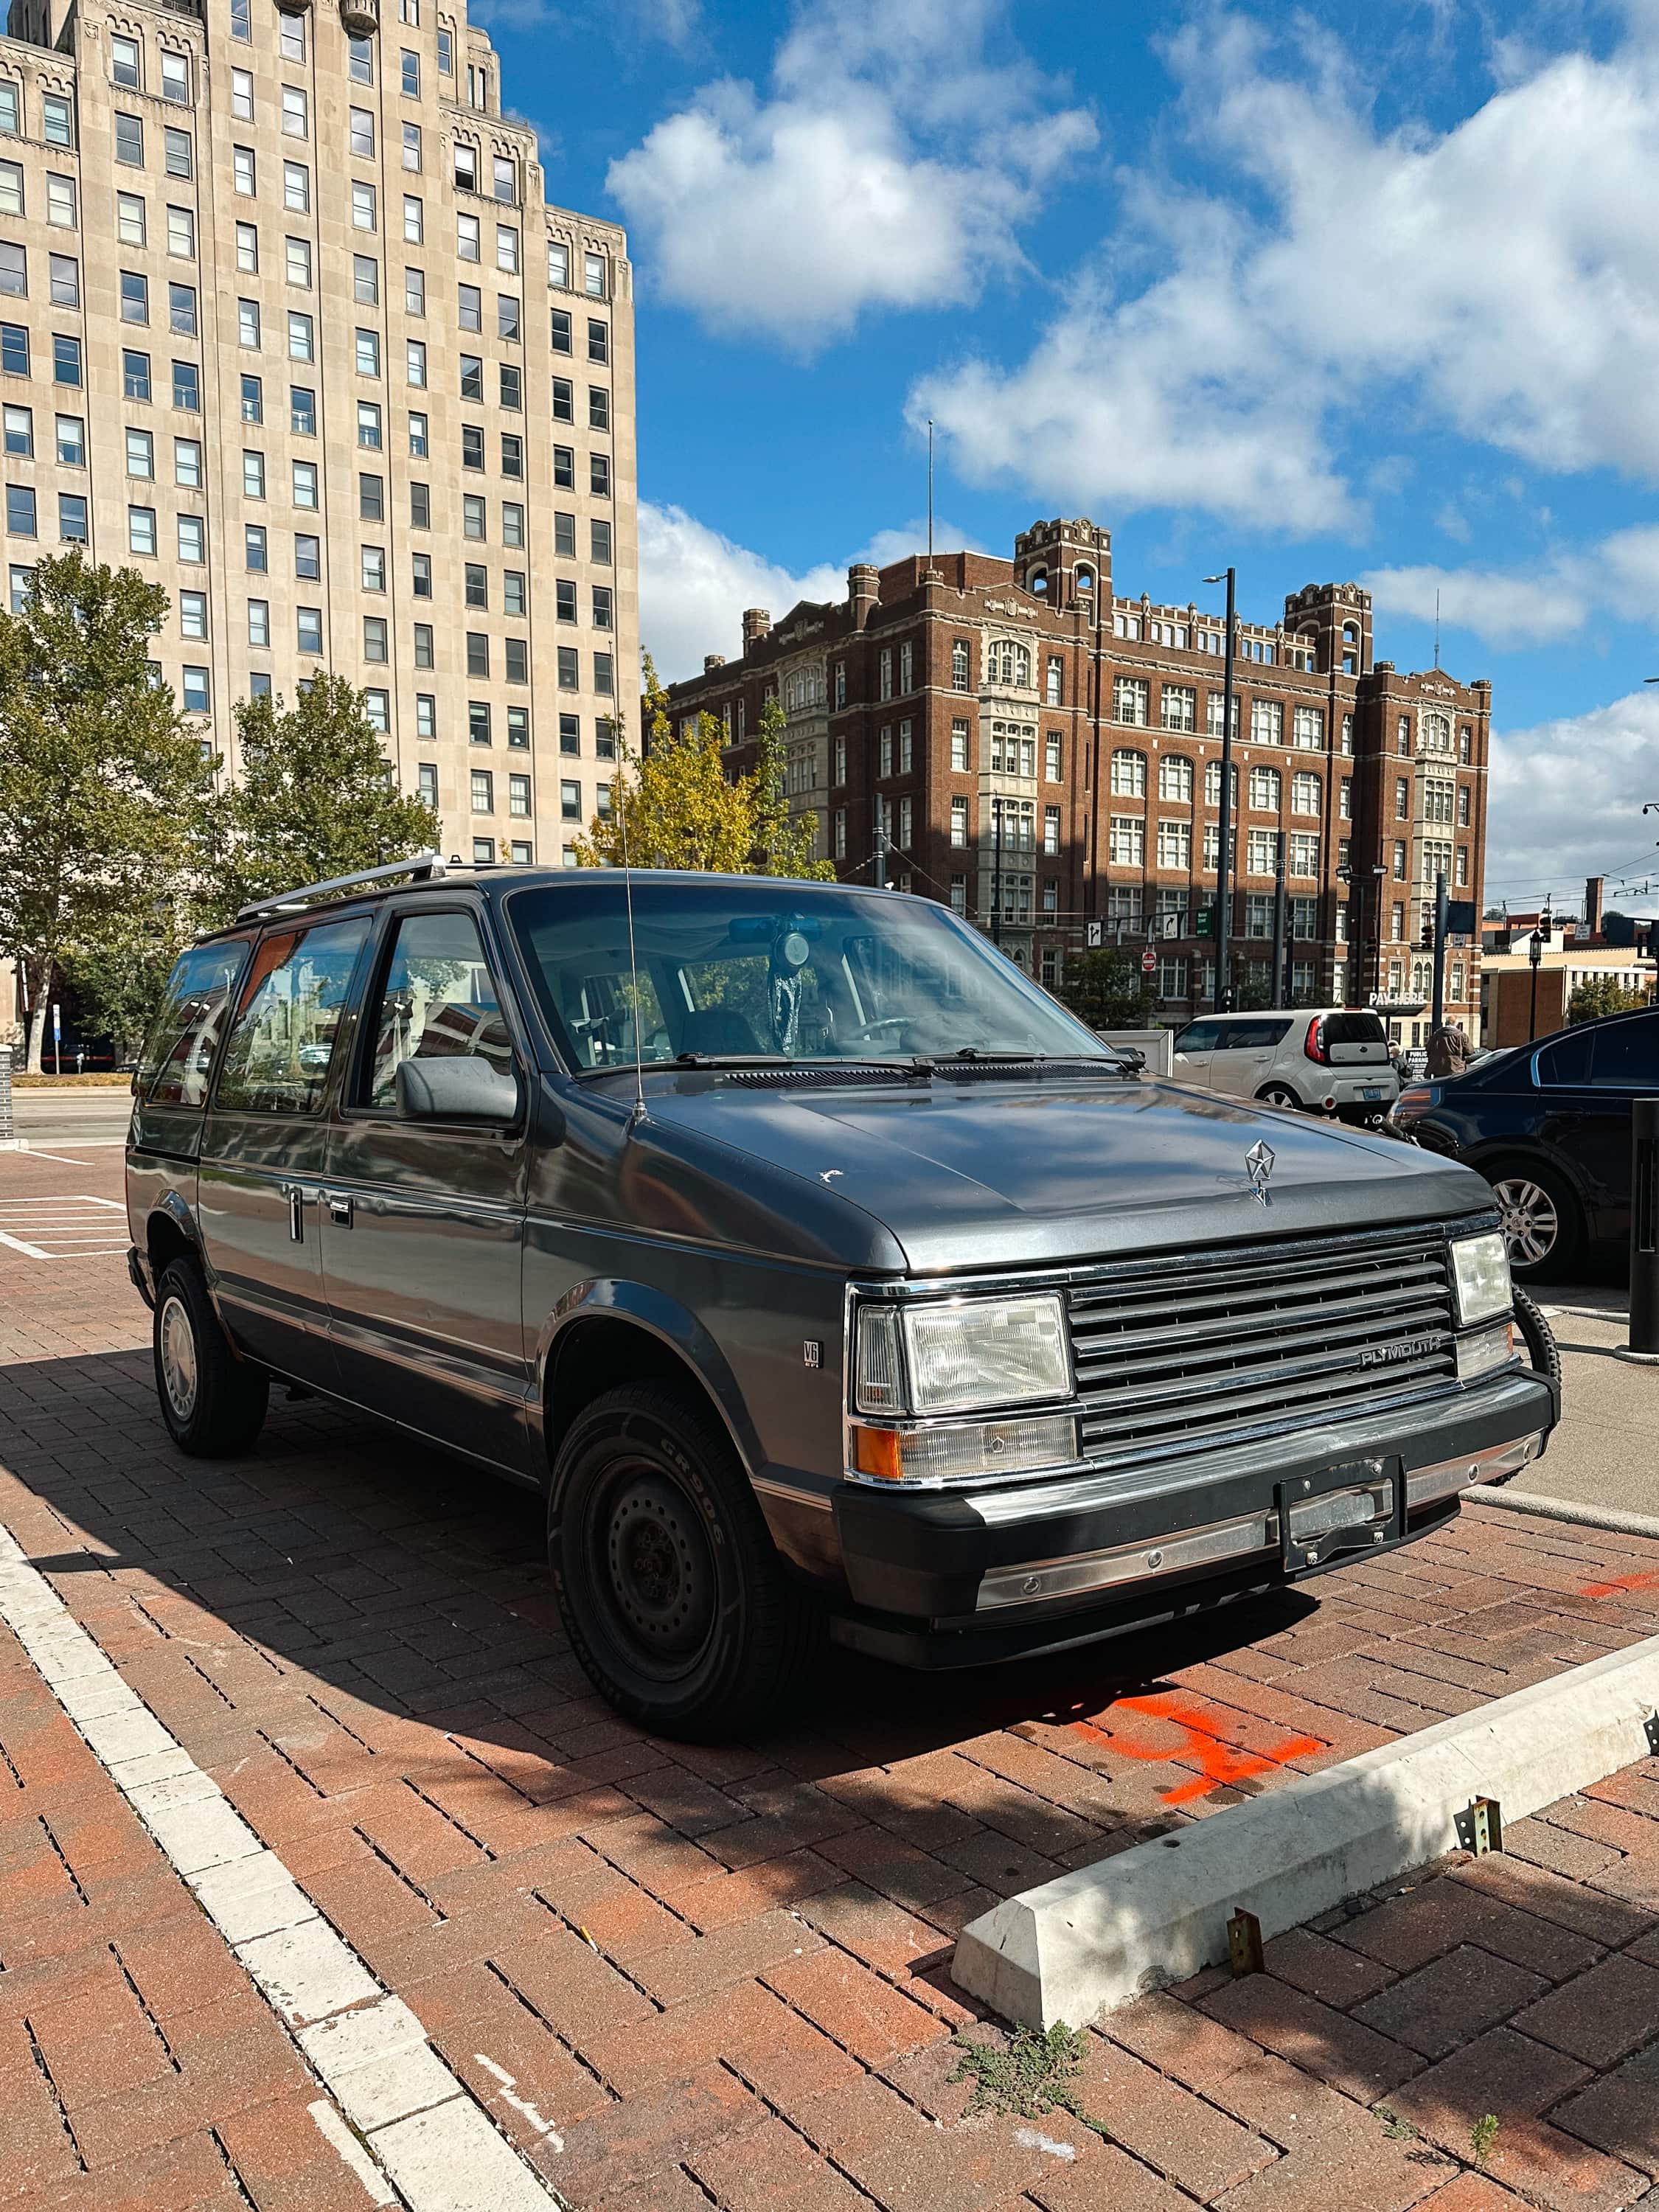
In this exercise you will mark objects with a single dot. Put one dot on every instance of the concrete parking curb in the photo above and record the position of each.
(1567, 1508)
(1075, 1947)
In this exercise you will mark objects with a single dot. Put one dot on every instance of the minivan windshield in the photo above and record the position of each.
(755, 968)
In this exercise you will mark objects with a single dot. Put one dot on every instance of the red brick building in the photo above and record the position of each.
(1043, 753)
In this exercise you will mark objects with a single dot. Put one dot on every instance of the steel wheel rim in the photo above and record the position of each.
(178, 1364)
(655, 1571)
(1528, 1219)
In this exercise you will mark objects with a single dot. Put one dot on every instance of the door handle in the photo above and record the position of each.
(340, 1209)
(296, 1213)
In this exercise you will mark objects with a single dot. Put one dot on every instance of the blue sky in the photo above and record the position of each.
(1362, 291)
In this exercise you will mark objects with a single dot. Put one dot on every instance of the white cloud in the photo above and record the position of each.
(1501, 278)
(695, 583)
(1566, 801)
(1553, 598)
(891, 166)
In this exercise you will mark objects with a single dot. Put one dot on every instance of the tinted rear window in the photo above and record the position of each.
(1568, 1059)
(1252, 1037)
(1354, 1028)
(1628, 1054)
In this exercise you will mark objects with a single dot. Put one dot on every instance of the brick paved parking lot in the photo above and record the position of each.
(675, 1978)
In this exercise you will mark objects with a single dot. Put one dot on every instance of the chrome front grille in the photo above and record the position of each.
(1177, 1353)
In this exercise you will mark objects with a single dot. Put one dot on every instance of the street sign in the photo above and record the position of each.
(1205, 921)
(1148, 962)
(57, 1026)
(1460, 917)
(1094, 934)
(1170, 924)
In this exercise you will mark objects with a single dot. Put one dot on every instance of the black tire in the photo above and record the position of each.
(1542, 1221)
(1278, 1094)
(672, 1592)
(1538, 1339)
(217, 1408)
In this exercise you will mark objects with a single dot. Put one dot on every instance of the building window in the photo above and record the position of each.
(1055, 689)
(1178, 707)
(1308, 729)
(1174, 845)
(1267, 722)
(309, 557)
(959, 747)
(483, 791)
(1128, 774)
(1264, 790)
(1051, 830)
(375, 637)
(1175, 778)
(195, 691)
(1304, 853)
(1304, 793)
(258, 622)
(1130, 697)
(958, 664)
(1128, 845)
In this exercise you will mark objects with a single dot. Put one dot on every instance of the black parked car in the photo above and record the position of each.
(1549, 1127)
(812, 1264)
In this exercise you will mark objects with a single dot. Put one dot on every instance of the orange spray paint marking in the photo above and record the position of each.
(1622, 1586)
(1219, 1762)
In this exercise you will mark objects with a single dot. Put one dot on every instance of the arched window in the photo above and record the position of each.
(1434, 733)
(959, 665)
(1022, 664)
(1128, 774)
(1085, 579)
(1008, 662)
(1039, 583)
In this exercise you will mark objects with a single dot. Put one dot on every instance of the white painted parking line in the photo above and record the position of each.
(62, 1228)
(415, 2120)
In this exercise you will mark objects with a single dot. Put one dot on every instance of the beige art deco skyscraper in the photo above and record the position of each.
(285, 324)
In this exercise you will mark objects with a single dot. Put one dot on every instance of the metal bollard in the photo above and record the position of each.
(6, 1128)
(1644, 1230)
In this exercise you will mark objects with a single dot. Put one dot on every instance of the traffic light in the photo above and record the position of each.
(1425, 940)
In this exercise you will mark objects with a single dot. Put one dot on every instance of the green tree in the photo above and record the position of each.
(101, 778)
(118, 975)
(676, 807)
(1602, 995)
(783, 842)
(314, 797)
(1106, 990)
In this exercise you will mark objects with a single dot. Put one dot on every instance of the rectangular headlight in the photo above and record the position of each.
(986, 1351)
(961, 1356)
(1480, 1271)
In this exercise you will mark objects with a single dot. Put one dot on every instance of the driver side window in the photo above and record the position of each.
(437, 1002)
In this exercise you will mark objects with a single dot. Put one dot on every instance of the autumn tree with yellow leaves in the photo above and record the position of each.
(676, 807)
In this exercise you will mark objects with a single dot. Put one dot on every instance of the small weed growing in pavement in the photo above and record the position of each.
(1034, 2075)
(1395, 2126)
(1482, 2136)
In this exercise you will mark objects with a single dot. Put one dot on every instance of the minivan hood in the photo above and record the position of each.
(1004, 1171)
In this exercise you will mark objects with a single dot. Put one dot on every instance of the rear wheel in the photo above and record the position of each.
(1542, 1221)
(1277, 1094)
(213, 1402)
(674, 1597)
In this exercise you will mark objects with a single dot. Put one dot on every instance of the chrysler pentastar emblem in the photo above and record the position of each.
(1258, 1166)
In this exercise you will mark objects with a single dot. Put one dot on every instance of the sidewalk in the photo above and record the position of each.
(676, 1977)
(1606, 1453)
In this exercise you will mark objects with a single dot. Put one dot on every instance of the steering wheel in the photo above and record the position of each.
(866, 1029)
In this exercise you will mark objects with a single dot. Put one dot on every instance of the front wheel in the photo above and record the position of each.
(213, 1402)
(674, 1598)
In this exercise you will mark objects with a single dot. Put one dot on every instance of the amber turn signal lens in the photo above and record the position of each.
(877, 1454)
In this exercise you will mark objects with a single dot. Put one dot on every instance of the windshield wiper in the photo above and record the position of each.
(975, 1057)
(772, 1063)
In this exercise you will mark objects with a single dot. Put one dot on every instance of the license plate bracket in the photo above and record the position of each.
(1356, 1507)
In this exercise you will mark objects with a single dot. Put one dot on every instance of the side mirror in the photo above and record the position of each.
(467, 1088)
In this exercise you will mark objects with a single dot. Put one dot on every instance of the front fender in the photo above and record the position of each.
(672, 1324)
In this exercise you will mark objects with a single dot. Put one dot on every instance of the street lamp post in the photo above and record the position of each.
(1223, 887)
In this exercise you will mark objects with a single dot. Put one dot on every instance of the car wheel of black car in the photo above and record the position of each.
(1277, 1094)
(213, 1403)
(1543, 1226)
(673, 1596)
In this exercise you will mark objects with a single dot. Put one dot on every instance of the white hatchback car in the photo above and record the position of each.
(1332, 1059)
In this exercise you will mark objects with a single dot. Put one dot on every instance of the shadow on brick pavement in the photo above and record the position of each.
(722, 1970)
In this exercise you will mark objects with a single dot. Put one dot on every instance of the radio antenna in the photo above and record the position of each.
(637, 1113)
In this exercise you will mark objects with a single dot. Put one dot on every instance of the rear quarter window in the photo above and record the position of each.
(177, 1055)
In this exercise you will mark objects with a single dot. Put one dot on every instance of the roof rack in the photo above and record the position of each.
(423, 867)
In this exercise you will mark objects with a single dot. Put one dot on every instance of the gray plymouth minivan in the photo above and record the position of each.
(818, 1267)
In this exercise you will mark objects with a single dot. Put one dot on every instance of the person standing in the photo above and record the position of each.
(1449, 1052)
